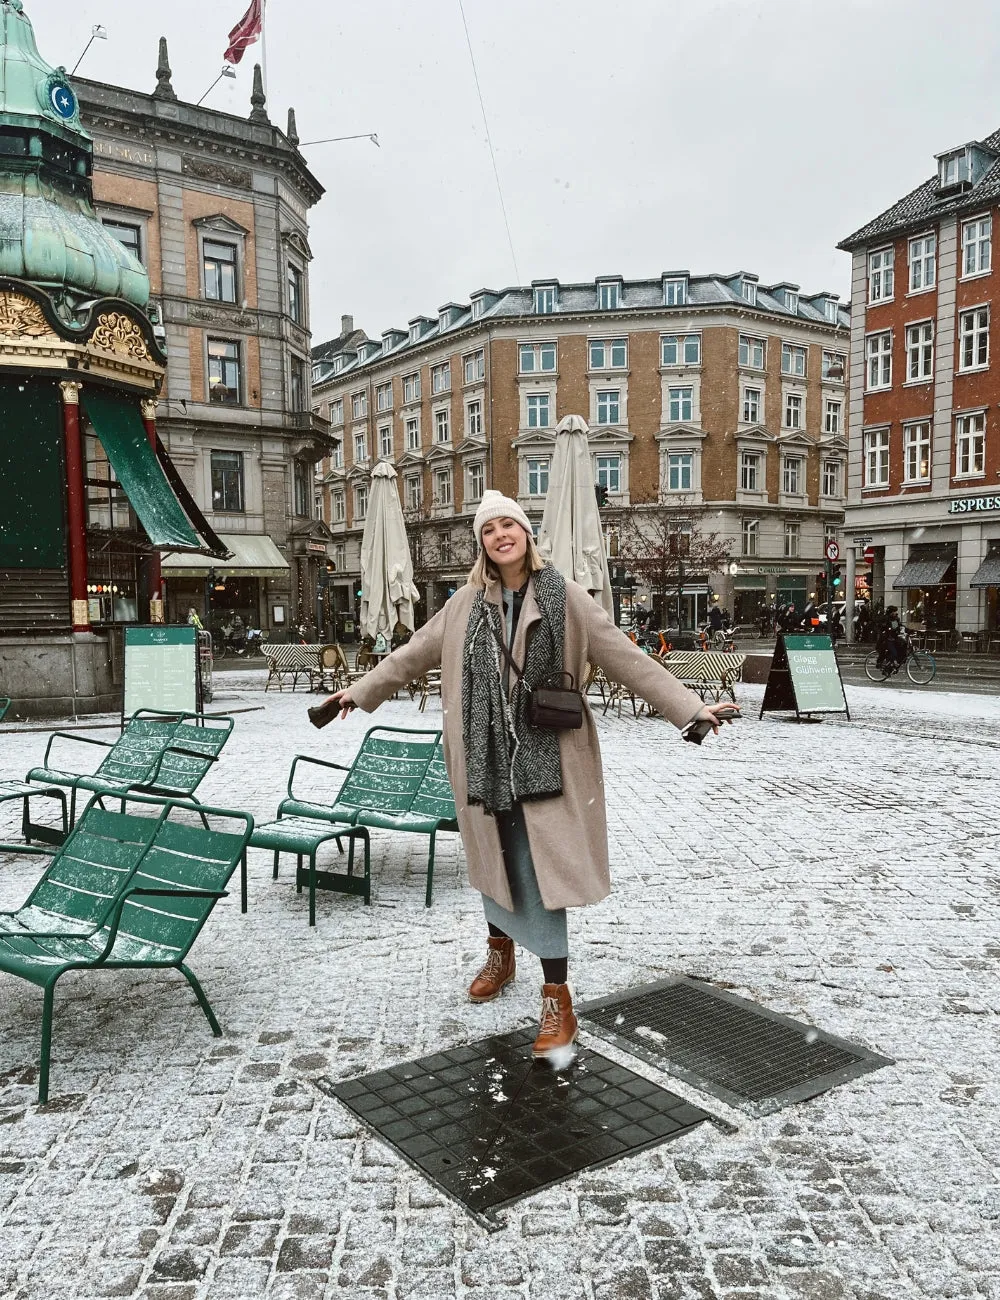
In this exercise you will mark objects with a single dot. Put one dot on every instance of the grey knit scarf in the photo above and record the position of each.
(508, 760)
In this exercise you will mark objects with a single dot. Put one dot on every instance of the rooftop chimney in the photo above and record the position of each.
(347, 324)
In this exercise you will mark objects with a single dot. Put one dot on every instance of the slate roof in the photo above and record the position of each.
(924, 204)
(517, 302)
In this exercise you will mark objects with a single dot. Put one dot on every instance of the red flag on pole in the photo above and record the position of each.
(246, 31)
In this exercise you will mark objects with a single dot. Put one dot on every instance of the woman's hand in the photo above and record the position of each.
(344, 701)
(717, 714)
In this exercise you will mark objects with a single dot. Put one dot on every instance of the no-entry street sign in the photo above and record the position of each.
(868, 555)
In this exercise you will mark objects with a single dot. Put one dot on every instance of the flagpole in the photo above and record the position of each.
(263, 43)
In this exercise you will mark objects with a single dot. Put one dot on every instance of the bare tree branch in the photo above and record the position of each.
(666, 545)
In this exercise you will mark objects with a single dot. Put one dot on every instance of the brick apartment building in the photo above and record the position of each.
(216, 207)
(714, 392)
(924, 425)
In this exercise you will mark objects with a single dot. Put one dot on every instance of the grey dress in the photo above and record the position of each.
(530, 924)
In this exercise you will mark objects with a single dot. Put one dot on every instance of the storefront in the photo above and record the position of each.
(219, 590)
(986, 579)
(749, 597)
(928, 581)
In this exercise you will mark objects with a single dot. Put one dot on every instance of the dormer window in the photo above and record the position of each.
(831, 310)
(953, 169)
(749, 291)
(386, 345)
(545, 299)
(792, 302)
(477, 308)
(609, 295)
(444, 320)
(338, 365)
(414, 333)
(675, 292)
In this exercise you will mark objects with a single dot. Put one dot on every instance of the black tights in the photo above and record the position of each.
(554, 969)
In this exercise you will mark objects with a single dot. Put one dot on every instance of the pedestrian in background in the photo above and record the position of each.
(530, 801)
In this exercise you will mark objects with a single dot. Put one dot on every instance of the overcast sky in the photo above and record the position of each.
(632, 136)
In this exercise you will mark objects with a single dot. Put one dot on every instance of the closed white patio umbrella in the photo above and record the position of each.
(387, 590)
(571, 535)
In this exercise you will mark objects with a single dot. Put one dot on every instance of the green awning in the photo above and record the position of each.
(118, 424)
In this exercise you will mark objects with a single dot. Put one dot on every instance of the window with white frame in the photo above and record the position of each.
(834, 367)
(446, 549)
(831, 478)
(920, 350)
(475, 480)
(339, 556)
(880, 275)
(360, 501)
(442, 487)
(793, 360)
(877, 458)
(609, 404)
(360, 447)
(974, 339)
(359, 405)
(412, 431)
(680, 471)
(832, 416)
(474, 419)
(545, 299)
(385, 441)
(917, 452)
(878, 351)
(750, 292)
(751, 536)
(680, 404)
(831, 309)
(922, 255)
(337, 455)
(442, 426)
(383, 397)
(534, 357)
(608, 354)
(970, 444)
(680, 350)
(609, 295)
(793, 410)
(829, 532)
(751, 406)
(751, 479)
(752, 352)
(538, 476)
(791, 301)
(413, 491)
(793, 533)
(475, 367)
(441, 377)
(538, 405)
(674, 293)
(792, 476)
(608, 470)
(338, 506)
(337, 411)
(411, 387)
(976, 246)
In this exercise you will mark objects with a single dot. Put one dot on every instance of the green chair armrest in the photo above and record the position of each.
(116, 916)
(68, 735)
(317, 762)
(30, 849)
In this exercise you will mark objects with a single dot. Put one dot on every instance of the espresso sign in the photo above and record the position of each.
(964, 505)
(804, 678)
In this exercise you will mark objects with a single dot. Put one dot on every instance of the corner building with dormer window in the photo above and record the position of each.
(924, 428)
(713, 392)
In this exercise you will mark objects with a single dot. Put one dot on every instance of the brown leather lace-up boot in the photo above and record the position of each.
(558, 1030)
(497, 972)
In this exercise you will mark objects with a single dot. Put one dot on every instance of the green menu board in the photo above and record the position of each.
(161, 669)
(804, 677)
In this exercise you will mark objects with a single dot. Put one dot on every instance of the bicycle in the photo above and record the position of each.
(920, 665)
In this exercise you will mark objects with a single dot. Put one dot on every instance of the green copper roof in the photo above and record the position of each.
(49, 232)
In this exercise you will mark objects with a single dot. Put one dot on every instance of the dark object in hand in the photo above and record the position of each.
(321, 714)
(697, 731)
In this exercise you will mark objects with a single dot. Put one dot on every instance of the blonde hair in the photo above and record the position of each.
(485, 570)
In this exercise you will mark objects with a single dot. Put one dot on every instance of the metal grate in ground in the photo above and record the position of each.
(489, 1126)
(744, 1054)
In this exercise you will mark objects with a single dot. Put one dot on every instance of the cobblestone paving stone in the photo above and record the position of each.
(845, 874)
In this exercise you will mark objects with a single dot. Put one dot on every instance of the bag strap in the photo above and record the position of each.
(511, 662)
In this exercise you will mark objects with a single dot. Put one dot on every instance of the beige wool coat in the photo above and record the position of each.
(568, 834)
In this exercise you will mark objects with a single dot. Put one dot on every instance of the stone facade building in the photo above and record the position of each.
(217, 208)
(713, 393)
(924, 463)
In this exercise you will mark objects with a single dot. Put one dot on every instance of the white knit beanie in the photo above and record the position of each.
(495, 505)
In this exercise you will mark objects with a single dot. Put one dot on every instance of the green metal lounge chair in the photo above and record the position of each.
(154, 920)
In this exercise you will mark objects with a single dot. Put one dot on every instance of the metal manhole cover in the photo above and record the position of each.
(744, 1054)
(488, 1126)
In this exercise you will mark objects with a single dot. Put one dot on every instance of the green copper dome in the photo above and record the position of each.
(49, 232)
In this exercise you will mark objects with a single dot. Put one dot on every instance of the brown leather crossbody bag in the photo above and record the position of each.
(553, 707)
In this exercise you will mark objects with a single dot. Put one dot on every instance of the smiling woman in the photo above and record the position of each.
(529, 798)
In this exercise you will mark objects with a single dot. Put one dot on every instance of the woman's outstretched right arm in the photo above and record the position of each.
(420, 654)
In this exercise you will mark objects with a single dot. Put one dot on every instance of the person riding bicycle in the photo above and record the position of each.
(891, 644)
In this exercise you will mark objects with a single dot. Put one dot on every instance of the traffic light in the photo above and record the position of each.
(836, 578)
(601, 492)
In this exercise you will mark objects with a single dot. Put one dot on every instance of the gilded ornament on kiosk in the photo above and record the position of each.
(22, 317)
(117, 332)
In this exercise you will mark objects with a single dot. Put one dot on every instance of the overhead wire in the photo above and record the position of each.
(489, 141)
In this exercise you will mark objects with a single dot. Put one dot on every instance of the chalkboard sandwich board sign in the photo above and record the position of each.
(161, 669)
(804, 678)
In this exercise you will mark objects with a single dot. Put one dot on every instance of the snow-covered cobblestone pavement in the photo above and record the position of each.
(843, 873)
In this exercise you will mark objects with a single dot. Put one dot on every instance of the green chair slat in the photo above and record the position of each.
(338, 812)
